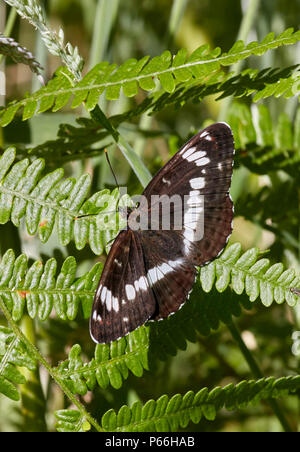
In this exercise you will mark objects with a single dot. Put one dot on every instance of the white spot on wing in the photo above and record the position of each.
(108, 300)
(204, 134)
(143, 283)
(197, 182)
(103, 294)
(187, 246)
(203, 161)
(130, 292)
(194, 200)
(188, 152)
(195, 156)
(157, 273)
(99, 289)
(153, 275)
(115, 304)
(175, 264)
(189, 234)
(119, 264)
(184, 148)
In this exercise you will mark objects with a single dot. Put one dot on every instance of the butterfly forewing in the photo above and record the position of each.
(200, 173)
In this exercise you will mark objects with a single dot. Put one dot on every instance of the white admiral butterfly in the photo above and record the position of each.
(149, 273)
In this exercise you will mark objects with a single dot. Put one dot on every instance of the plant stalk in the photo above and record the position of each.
(40, 358)
(133, 159)
(257, 373)
(245, 27)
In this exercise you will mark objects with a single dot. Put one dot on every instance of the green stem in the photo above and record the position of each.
(245, 27)
(257, 373)
(135, 162)
(177, 11)
(10, 22)
(40, 358)
(133, 159)
(104, 19)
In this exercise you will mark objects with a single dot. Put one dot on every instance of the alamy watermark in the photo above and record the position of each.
(157, 212)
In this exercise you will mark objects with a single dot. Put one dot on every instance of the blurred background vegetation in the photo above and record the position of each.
(115, 31)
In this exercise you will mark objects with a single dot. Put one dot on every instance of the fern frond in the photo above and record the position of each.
(261, 208)
(40, 289)
(170, 71)
(239, 279)
(73, 143)
(71, 421)
(110, 366)
(137, 351)
(156, 340)
(265, 147)
(169, 414)
(13, 354)
(245, 272)
(287, 87)
(49, 200)
(248, 82)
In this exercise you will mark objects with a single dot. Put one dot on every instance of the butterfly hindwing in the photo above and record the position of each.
(123, 300)
(171, 277)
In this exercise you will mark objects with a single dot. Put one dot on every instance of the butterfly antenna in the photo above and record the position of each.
(108, 161)
(109, 164)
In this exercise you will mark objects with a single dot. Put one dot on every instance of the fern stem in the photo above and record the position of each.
(133, 159)
(245, 27)
(104, 19)
(9, 23)
(177, 11)
(40, 358)
(32, 396)
(257, 373)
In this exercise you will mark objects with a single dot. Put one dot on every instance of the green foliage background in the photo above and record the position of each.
(155, 72)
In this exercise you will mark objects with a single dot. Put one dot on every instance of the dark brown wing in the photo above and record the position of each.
(123, 300)
(149, 273)
(200, 173)
(171, 277)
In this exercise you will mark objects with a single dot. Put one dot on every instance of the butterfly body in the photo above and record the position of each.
(183, 221)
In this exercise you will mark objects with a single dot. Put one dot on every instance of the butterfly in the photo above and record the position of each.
(150, 271)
